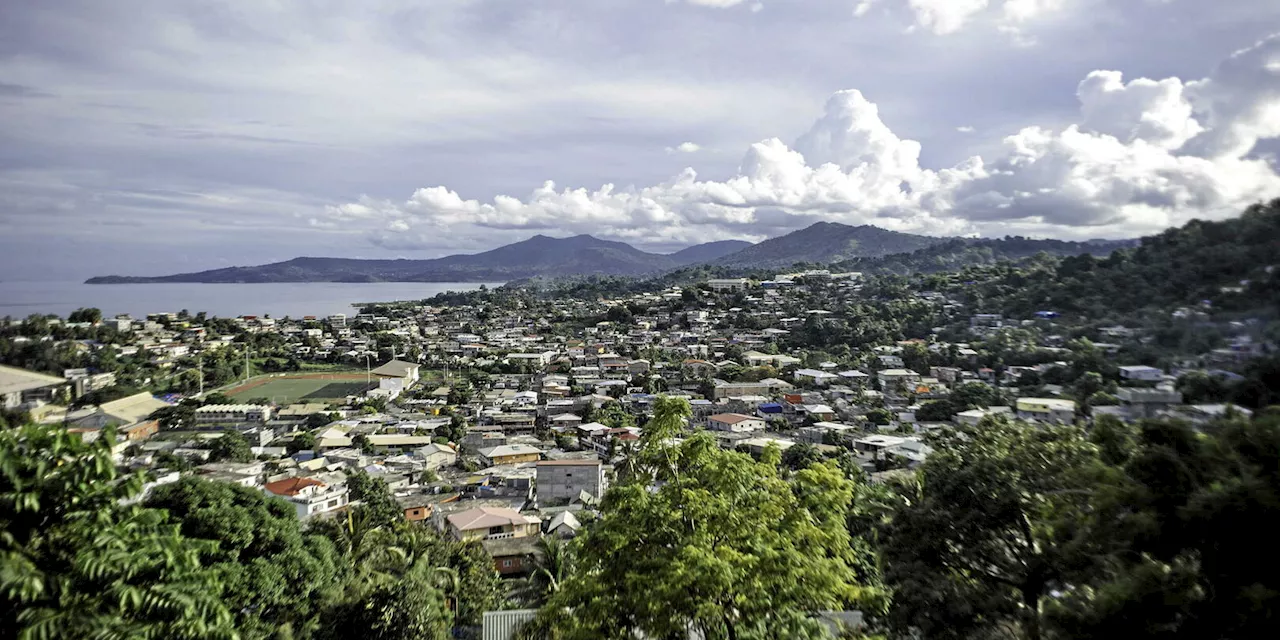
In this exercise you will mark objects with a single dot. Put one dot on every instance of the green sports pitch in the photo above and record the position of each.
(307, 387)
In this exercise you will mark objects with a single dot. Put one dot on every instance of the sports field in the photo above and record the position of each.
(303, 387)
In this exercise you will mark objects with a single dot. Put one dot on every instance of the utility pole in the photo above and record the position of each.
(246, 362)
(368, 372)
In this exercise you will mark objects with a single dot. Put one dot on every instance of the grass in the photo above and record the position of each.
(314, 387)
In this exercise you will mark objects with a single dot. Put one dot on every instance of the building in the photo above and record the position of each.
(898, 380)
(570, 479)
(1147, 403)
(821, 378)
(735, 422)
(1142, 373)
(729, 284)
(435, 455)
(1046, 409)
(125, 411)
(18, 386)
(399, 369)
(492, 523)
(509, 454)
(309, 497)
(232, 414)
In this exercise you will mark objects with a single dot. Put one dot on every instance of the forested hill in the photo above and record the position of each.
(957, 253)
(1232, 265)
(825, 242)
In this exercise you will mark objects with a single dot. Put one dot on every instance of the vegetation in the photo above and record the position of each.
(79, 557)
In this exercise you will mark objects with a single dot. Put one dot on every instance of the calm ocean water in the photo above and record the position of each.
(20, 299)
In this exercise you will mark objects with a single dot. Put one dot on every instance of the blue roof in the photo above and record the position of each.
(771, 407)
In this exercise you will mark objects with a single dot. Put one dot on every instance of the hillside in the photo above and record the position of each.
(826, 242)
(708, 252)
(958, 253)
(537, 256)
(1232, 266)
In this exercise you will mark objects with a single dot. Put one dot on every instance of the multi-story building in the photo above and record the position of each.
(569, 479)
(232, 414)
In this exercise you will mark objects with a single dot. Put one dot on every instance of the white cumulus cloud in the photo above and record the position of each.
(685, 147)
(943, 17)
(1145, 154)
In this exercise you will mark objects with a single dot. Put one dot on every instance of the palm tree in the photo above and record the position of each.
(553, 563)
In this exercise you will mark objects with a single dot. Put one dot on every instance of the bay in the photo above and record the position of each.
(21, 299)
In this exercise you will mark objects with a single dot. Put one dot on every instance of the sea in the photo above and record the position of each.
(21, 299)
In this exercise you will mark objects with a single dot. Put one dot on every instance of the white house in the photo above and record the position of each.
(1141, 372)
(735, 422)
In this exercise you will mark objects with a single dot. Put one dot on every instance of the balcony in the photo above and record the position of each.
(500, 536)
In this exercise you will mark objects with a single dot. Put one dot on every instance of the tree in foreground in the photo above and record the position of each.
(75, 563)
(709, 540)
(995, 521)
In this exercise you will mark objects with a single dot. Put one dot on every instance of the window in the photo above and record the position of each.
(506, 564)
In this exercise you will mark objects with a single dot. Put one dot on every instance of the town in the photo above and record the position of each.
(502, 417)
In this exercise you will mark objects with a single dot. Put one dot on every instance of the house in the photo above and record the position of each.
(434, 455)
(512, 556)
(735, 422)
(974, 416)
(899, 381)
(309, 496)
(509, 454)
(564, 525)
(1142, 373)
(398, 441)
(406, 371)
(815, 376)
(491, 523)
(570, 479)
(1046, 409)
(232, 414)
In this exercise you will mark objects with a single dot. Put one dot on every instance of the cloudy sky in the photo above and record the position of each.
(153, 136)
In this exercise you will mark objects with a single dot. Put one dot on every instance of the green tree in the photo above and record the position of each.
(879, 416)
(85, 314)
(303, 441)
(232, 446)
(998, 520)
(801, 455)
(75, 563)
(554, 564)
(374, 498)
(274, 575)
(723, 545)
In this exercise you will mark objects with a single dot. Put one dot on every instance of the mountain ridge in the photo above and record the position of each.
(584, 254)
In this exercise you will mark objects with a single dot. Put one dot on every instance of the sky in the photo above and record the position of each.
(146, 137)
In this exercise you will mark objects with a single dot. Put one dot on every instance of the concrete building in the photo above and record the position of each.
(509, 454)
(729, 284)
(570, 479)
(1141, 372)
(18, 386)
(1146, 403)
(232, 414)
(1046, 409)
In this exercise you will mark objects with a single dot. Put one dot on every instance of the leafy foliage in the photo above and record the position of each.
(75, 563)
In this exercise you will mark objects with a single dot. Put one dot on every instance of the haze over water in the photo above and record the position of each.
(21, 299)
